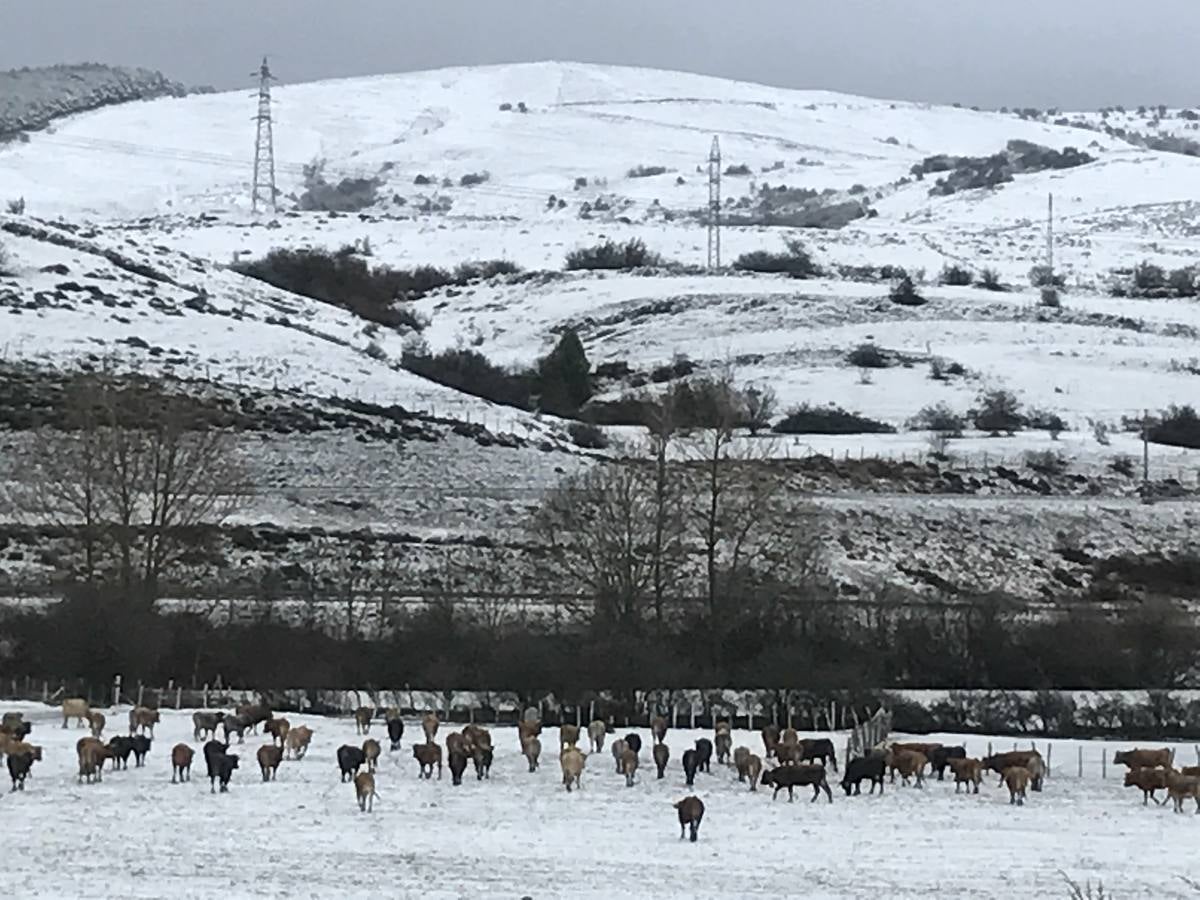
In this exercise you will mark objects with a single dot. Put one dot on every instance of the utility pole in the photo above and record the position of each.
(1145, 451)
(264, 144)
(714, 206)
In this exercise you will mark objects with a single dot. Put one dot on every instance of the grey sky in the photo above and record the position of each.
(1065, 53)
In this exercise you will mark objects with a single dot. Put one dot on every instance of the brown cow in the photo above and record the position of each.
(741, 762)
(429, 724)
(597, 729)
(754, 767)
(908, 763)
(629, 766)
(572, 763)
(269, 758)
(1191, 771)
(97, 721)
(362, 719)
(527, 729)
(143, 719)
(428, 755)
(181, 763)
(662, 754)
(532, 749)
(691, 813)
(1143, 759)
(1017, 779)
(618, 748)
(1030, 760)
(724, 746)
(966, 771)
(477, 738)
(92, 753)
(456, 743)
(790, 738)
(1149, 781)
(364, 790)
(298, 739)
(278, 730)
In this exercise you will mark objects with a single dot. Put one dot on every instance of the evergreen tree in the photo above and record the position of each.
(564, 376)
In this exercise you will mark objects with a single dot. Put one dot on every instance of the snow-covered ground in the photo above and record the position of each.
(522, 835)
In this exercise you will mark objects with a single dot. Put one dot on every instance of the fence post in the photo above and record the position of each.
(179, 696)
(592, 711)
(141, 690)
(789, 716)
(1103, 763)
(116, 691)
(1081, 761)
(204, 696)
(45, 692)
(578, 715)
(693, 715)
(990, 749)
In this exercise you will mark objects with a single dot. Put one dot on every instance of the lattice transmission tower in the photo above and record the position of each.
(714, 206)
(264, 144)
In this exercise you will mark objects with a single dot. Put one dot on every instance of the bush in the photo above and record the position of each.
(472, 373)
(345, 280)
(612, 255)
(1178, 426)
(646, 171)
(1043, 276)
(484, 269)
(956, 276)
(590, 437)
(1046, 462)
(348, 195)
(564, 377)
(17, 207)
(5, 261)
(473, 178)
(806, 419)
(868, 356)
(1050, 298)
(680, 367)
(999, 411)
(1183, 281)
(760, 404)
(796, 262)
(940, 370)
(1122, 465)
(1043, 420)
(738, 170)
(989, 280)
(939, 418)
(1149, 278)
(904, 292)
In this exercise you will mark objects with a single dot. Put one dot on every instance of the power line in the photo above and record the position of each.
(264, 144)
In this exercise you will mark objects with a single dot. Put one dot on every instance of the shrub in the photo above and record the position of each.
(473, 178)
(348, 195)
(1043, 420)
(472, 373)
(1122, 465)
(1178, 426)
(345, 280)
(422, 181)
(989, 280)
(939, 418)
(580, 183)
(612, 255)
(484, 269)
(998, 411)
(588, 436)
(17, 207)
(1148, 278)
(738, 170)
(796, 262)
(1183, 281)
(1043, 276)
(956, 276)
(680, 367)
(868, 356)
(940, 370)
(857, 189)
(1050, 298)
(904, 292)
(376, 352)
(806, 419)
(646, 171)
(1046, 462)
(628, 409)
(5, 261)
(760, 404)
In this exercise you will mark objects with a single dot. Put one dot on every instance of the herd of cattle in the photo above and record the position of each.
(798, 762)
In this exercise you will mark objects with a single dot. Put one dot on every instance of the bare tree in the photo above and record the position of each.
(668, 551)
(760, 404)
(134, 475)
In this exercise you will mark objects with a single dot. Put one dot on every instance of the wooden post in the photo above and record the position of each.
(592, 711)
(693, 716)
(45, 692)
(750, 726)
(179, 696)
(789, 716)
(1049, 757)
(1103, 763)
(674, 715)
(1080, 760)
(204, 696)
(116, 691)
(471, 714)
(1197, 754)
(990, 749)
(141, 692)
(578, 715)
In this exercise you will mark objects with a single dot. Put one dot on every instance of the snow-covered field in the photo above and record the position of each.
(522, 835)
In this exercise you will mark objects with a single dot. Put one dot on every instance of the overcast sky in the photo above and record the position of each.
(1065, 53)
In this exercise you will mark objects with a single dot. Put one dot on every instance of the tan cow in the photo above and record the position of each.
(278, 730)
(1017, 778)
(629, 765)
(1149, 781)
(908, 763)
(371, 751)
(269, 758)
(429, 724)
(770, 738)
(754, 767)
(362, 719)
(741, 760)
(532, 749)
(568, 736)
(181, 763)
(364, 790)
(597, 729)
(528, 728)
(618, 748)
(75, 708)
(572, 762)
(298, 739)
(97, 721)
(1180, 787)
(966, 771)
(658, 729)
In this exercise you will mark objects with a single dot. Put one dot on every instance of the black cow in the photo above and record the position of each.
(818, 748)
(224, 764)
(939, 759)
(236, 725)
(121, 747)
(704, 751)
(858, 770)
(19, 765)
(691, 763)
(633, 742)
(350, 760)
(213, 751)
(395, 729)
(141, 746)
(791, 777)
